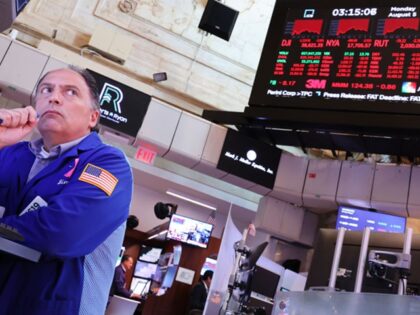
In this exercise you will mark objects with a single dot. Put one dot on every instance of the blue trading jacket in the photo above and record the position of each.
(79, 218)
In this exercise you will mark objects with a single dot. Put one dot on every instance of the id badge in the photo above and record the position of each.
(35, 204)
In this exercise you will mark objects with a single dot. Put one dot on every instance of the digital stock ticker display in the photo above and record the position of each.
(334, 56)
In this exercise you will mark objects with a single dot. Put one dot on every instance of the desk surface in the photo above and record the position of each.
(19, 250)
(121, 306)
(345, 303)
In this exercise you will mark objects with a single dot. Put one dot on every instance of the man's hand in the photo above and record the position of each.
(15, 124)
(135, 296)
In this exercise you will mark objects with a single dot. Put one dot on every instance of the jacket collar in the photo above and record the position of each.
(90, 142)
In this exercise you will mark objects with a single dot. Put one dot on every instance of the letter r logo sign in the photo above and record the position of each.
(112, 95)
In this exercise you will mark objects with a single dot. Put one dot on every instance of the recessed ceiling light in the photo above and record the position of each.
(196, 202)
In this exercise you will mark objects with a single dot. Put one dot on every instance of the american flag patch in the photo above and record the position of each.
(99, 177)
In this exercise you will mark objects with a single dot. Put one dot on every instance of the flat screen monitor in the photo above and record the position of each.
(352, 55)
(250, 159)
(177, 255)
(122, 107)
(150, 254)
(189, 231)
(264, 282)
(169, 277)
(145, 269)
(320, 269)
(209, 264)
(140, 286)
(354, 219)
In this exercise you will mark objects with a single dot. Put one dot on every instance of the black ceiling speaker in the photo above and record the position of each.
(165, 210)
(9, 9)
(218, 19)
(132, 222)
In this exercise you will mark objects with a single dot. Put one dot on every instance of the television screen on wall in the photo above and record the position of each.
(122, 107)
(354, 219)
(249, 159)
(189, 231)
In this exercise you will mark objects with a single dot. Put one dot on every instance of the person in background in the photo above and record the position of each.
(119, 286)
(199, 293)
(67, 193)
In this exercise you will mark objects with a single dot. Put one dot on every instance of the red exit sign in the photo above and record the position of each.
(145, 155)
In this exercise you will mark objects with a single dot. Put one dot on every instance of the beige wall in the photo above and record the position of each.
(203, 71)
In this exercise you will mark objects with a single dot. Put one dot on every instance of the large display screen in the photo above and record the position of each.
(250, 159)
(357, 219)
(122, 107)
(189, 231)
(350, 55)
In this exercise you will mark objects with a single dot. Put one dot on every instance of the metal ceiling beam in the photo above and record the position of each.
(378, 132)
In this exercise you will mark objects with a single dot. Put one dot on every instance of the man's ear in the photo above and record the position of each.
(94, 116)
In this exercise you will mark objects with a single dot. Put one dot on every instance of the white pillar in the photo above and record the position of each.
(336, 259)
(362, 260)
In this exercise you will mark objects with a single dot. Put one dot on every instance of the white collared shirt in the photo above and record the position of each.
(43, 158)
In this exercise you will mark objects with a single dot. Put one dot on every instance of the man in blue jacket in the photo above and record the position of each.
(68, 194)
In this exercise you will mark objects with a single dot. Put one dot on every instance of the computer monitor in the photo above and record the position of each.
(323, 256)
(264, 282)
(145, 270)
(169, 277)
(140, 286)
(177, 254)
(209, 264)
(150, 254)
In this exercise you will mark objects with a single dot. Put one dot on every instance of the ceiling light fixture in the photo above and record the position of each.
(196, 202)
(157, 234)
